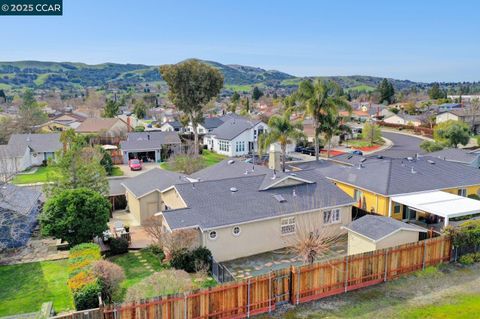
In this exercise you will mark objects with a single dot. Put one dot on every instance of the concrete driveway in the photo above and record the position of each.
(129, 173)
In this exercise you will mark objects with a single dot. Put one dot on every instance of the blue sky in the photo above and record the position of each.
(416, 40)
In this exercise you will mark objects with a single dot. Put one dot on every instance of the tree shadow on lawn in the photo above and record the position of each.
(24, 287)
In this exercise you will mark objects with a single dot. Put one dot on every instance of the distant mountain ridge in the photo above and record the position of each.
(62, 75)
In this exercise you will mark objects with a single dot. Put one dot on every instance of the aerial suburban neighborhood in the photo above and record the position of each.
(150, 181)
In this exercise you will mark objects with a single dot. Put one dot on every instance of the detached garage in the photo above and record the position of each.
(371, 232)
(150, 146)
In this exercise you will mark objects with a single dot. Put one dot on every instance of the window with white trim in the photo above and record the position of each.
(462, 192)
(224, 146)
(212, 235)
(331, 216)
(240, 146)
(288, 225)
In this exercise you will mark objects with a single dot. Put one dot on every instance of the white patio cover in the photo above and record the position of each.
(440, 203)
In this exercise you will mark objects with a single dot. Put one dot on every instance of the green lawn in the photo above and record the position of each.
(116, 171)
(239, 88)
(42, 175)
(24, 287)
(135, 271)
(208, 157)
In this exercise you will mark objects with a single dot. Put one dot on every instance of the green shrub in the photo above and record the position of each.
(474, 196)
(87, 296)
(118, 246)
(467, 259)
(191, 260)
(157, 251)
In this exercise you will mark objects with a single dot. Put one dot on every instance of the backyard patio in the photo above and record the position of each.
(260, 264)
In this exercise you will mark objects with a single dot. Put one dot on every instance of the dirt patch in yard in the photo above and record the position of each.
(396, 299)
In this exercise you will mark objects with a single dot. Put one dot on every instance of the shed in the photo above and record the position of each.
(372, 232)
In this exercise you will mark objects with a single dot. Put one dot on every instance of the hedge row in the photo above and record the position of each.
(84, 285)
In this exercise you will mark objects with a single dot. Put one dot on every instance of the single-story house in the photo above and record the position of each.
(237, 136)
(466, 115)
(110, 130)
(19, 209)
(376, 184)
(63, 123)
(252, 214)
(370, 232)
(143, 192)
(26, 150)
(403, 119)
(151, 146)
(173, 126)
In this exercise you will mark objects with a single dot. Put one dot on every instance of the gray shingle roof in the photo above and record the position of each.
(378, 227)
(116, 186)
(392, 176)
(211, 122)
(229, 168)
(18, 143)
(211, 204)
(232, 127)
(455, 155)
(141, 141)
(153, 179)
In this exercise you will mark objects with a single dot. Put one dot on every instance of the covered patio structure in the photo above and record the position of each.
(444, 206)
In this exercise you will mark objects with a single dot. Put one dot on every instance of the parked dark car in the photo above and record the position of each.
(357, 152)
(299, 149)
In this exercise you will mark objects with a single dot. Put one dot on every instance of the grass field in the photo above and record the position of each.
(42, 175)
(447, 291)
(25, 287)
(116, 171)
(362, 88)
(239, 88)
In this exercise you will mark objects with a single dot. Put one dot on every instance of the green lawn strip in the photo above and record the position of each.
(117, 171)
(459, 307)
(24, 287)
(42, 175)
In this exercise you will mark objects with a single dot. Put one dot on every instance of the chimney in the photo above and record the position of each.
(413, 170)
(128, 124)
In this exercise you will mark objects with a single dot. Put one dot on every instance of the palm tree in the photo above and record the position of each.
(283, 131)
(332, 125)
(319, 98)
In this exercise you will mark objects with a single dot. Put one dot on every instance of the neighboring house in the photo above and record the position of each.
(377, 184)
(26, 150)
(112, 129)
(173, 126)
(143, 192)
(403, 119)
(370, 233)
(237, 136)
(466, 115)
(207, 126)
(445, 107)
(458, 155)
(63, 123)
(151, 146)
(19, 209)
(253, 214)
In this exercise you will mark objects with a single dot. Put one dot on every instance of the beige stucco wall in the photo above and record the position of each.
(263, 236)
(144, 207)
(172, 199)
(358, 244)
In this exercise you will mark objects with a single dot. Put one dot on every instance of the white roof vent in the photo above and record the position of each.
(413, 170)
(279, 198)
(431, 162)
(230, 162)
(233, 189)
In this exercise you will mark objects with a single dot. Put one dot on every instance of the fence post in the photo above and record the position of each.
(185, 306)
(298, 286)
(424, 254)
(346, 273)
(248, 298)
(386, 266)
(270, 292)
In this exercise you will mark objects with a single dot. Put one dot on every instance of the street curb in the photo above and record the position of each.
(407, 134)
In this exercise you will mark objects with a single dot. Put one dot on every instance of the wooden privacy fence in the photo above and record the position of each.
(296, 285)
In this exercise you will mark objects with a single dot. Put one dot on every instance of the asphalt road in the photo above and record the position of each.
(403, 145)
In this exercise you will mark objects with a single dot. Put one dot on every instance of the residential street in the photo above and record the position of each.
(403, 145)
